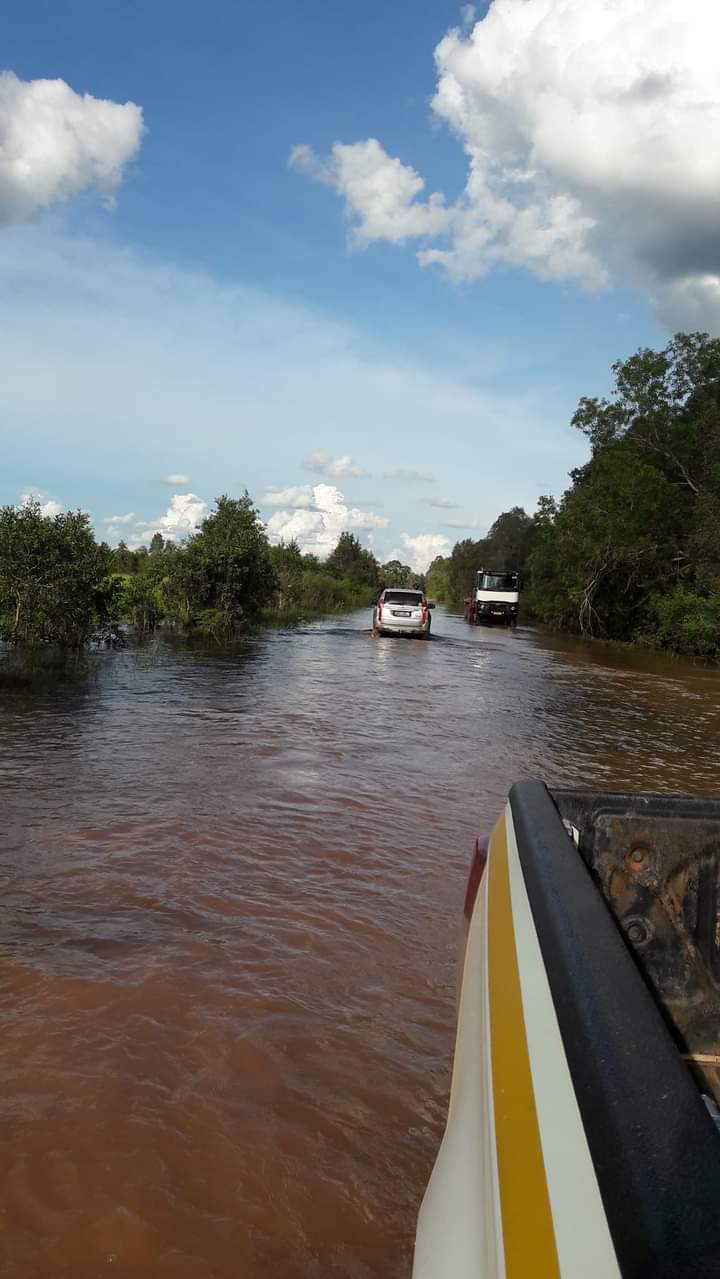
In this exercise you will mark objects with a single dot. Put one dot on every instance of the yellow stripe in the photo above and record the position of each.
(527, 1219)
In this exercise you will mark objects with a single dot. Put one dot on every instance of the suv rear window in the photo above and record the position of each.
(403, 597)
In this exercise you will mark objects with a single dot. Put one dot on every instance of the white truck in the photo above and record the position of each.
(495, 598)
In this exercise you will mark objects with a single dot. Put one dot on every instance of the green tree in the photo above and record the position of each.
(287, 562)
(223, 577)
(606, 548)
(123, 559)
(466, 558)
(436, 579)
(661, 402)
(142, 602)
(636, 540)
(394, 573)
(509, 541)
(54, 578)
(349, 559)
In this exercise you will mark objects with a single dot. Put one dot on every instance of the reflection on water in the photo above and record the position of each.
(230, 891)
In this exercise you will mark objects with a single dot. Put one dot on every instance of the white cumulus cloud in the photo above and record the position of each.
(420, 551)
(301, 496)
(176, 478)
(590, 130)
(55, 144)
(379, 191)
(317, 530)
(185, 512)
(335, 467)
(49, 506)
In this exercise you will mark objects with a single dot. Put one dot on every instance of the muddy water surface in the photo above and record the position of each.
(229, 891)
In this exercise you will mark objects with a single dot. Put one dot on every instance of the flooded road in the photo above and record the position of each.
(230, 888)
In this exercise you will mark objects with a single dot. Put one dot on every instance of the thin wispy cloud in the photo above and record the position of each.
(335, 468)
(405, 475)
(115, 520)
(175, 478)
(154, 349)
(441, 503)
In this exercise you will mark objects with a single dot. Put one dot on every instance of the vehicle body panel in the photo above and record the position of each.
(459, 1230)
(401, 612)
(525, 1168)
(593, 1136)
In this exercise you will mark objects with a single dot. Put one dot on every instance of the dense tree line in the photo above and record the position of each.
(507, 546)
(632, 549)
(59, 586)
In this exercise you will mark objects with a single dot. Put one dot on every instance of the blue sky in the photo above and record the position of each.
(184, 302)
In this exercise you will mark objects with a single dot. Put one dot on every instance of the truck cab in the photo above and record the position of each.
(495, 597)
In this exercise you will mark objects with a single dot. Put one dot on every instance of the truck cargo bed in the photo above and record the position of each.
(583, 1133)
(657, 861)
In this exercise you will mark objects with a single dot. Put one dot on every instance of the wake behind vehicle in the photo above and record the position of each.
(495, 598)
(582, 1138)
(402, 612)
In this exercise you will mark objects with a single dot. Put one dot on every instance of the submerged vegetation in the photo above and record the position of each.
(59, 587)
(56, 582)
(630, 552)
(227, 578)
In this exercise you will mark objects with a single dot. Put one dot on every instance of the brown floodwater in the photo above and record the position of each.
(230, 889)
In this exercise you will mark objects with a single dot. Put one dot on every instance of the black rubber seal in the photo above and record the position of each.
(655, 1148)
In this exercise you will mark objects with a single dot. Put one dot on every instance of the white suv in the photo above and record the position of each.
(402, 612)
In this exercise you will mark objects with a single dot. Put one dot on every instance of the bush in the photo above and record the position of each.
(685, 622)
(223, 578)
(322, 593)
(141, 602)
(55, 586)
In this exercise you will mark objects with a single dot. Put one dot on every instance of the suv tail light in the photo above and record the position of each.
(477, 867)
(379, 608)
